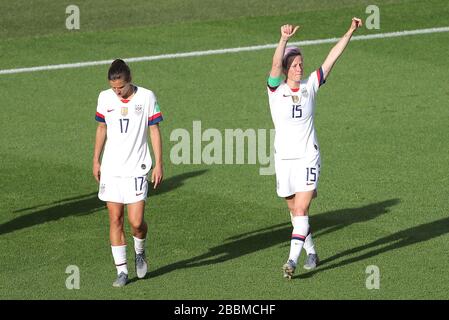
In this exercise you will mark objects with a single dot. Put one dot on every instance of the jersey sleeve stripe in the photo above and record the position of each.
(153, 120)
(99, 117)
(320, 76)
(155, 116)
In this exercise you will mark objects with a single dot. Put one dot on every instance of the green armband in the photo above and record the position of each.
(274, 82)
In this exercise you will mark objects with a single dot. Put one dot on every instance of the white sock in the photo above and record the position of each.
(139, 245)
(119, 254)
(299, 234)
(309, 246)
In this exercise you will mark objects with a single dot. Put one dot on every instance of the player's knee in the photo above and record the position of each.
(136, 224)
(116, 222)
(299, 211)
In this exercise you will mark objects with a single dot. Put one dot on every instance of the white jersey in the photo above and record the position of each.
(293, 113)
(126, 153)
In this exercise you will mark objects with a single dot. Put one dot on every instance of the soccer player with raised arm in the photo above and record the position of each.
(126, 115)
(297, 152)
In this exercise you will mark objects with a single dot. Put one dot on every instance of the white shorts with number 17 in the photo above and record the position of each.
(296, 175)
(123, 189)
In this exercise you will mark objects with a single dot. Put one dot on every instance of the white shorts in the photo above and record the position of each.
(123, 189)
(296, 175)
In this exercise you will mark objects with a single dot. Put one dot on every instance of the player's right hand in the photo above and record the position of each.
(96, 171)
(287, 31)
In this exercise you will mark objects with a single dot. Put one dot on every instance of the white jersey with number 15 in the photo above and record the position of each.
(292, 112)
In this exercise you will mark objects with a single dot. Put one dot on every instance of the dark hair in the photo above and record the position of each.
(119, 70)
(290, 52)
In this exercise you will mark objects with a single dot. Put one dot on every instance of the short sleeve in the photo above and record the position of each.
(317, 79)
(154, 114)
(99, 115)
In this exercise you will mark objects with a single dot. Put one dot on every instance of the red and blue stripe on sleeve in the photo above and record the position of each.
(99, 117)
(156, 118)
(320, 76)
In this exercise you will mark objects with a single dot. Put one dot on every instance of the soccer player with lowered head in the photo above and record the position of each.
(126, 114)
(297, 152)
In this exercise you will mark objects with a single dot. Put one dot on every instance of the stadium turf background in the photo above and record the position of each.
(220, 231)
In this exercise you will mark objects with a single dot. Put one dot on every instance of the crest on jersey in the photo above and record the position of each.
(304, 93)
(295, 99)
(138, 108)
(124, 111)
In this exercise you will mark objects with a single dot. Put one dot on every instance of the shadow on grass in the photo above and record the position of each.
(76, 206)
(173, 183)
(251, 242)
(394, 241)
(80, 205)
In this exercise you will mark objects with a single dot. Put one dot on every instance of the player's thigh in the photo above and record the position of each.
(290, 202)
(299, 203)
(116, 212)
(302, 202)
(136, 213)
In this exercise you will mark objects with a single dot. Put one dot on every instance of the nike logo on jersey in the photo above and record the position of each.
(109, 110)
(308, 184)
(138, 194)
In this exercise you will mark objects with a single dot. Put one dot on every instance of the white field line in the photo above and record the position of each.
(222, 51)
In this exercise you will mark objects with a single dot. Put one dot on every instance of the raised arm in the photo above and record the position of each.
(338, 49)
(287, 31)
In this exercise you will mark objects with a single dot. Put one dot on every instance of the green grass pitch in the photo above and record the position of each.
(220, 231)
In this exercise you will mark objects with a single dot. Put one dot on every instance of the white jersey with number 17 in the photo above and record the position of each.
(126, 152)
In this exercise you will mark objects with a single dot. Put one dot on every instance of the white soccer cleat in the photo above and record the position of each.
(289, 269)
(141, 265)
(311, 262)
(121, 281)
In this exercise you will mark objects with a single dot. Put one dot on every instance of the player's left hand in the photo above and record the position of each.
(356, 23)
(96, 170)
(288, 31)
(156, 176)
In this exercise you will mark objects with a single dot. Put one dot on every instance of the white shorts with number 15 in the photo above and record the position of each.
(297, 175)
(123, 189)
